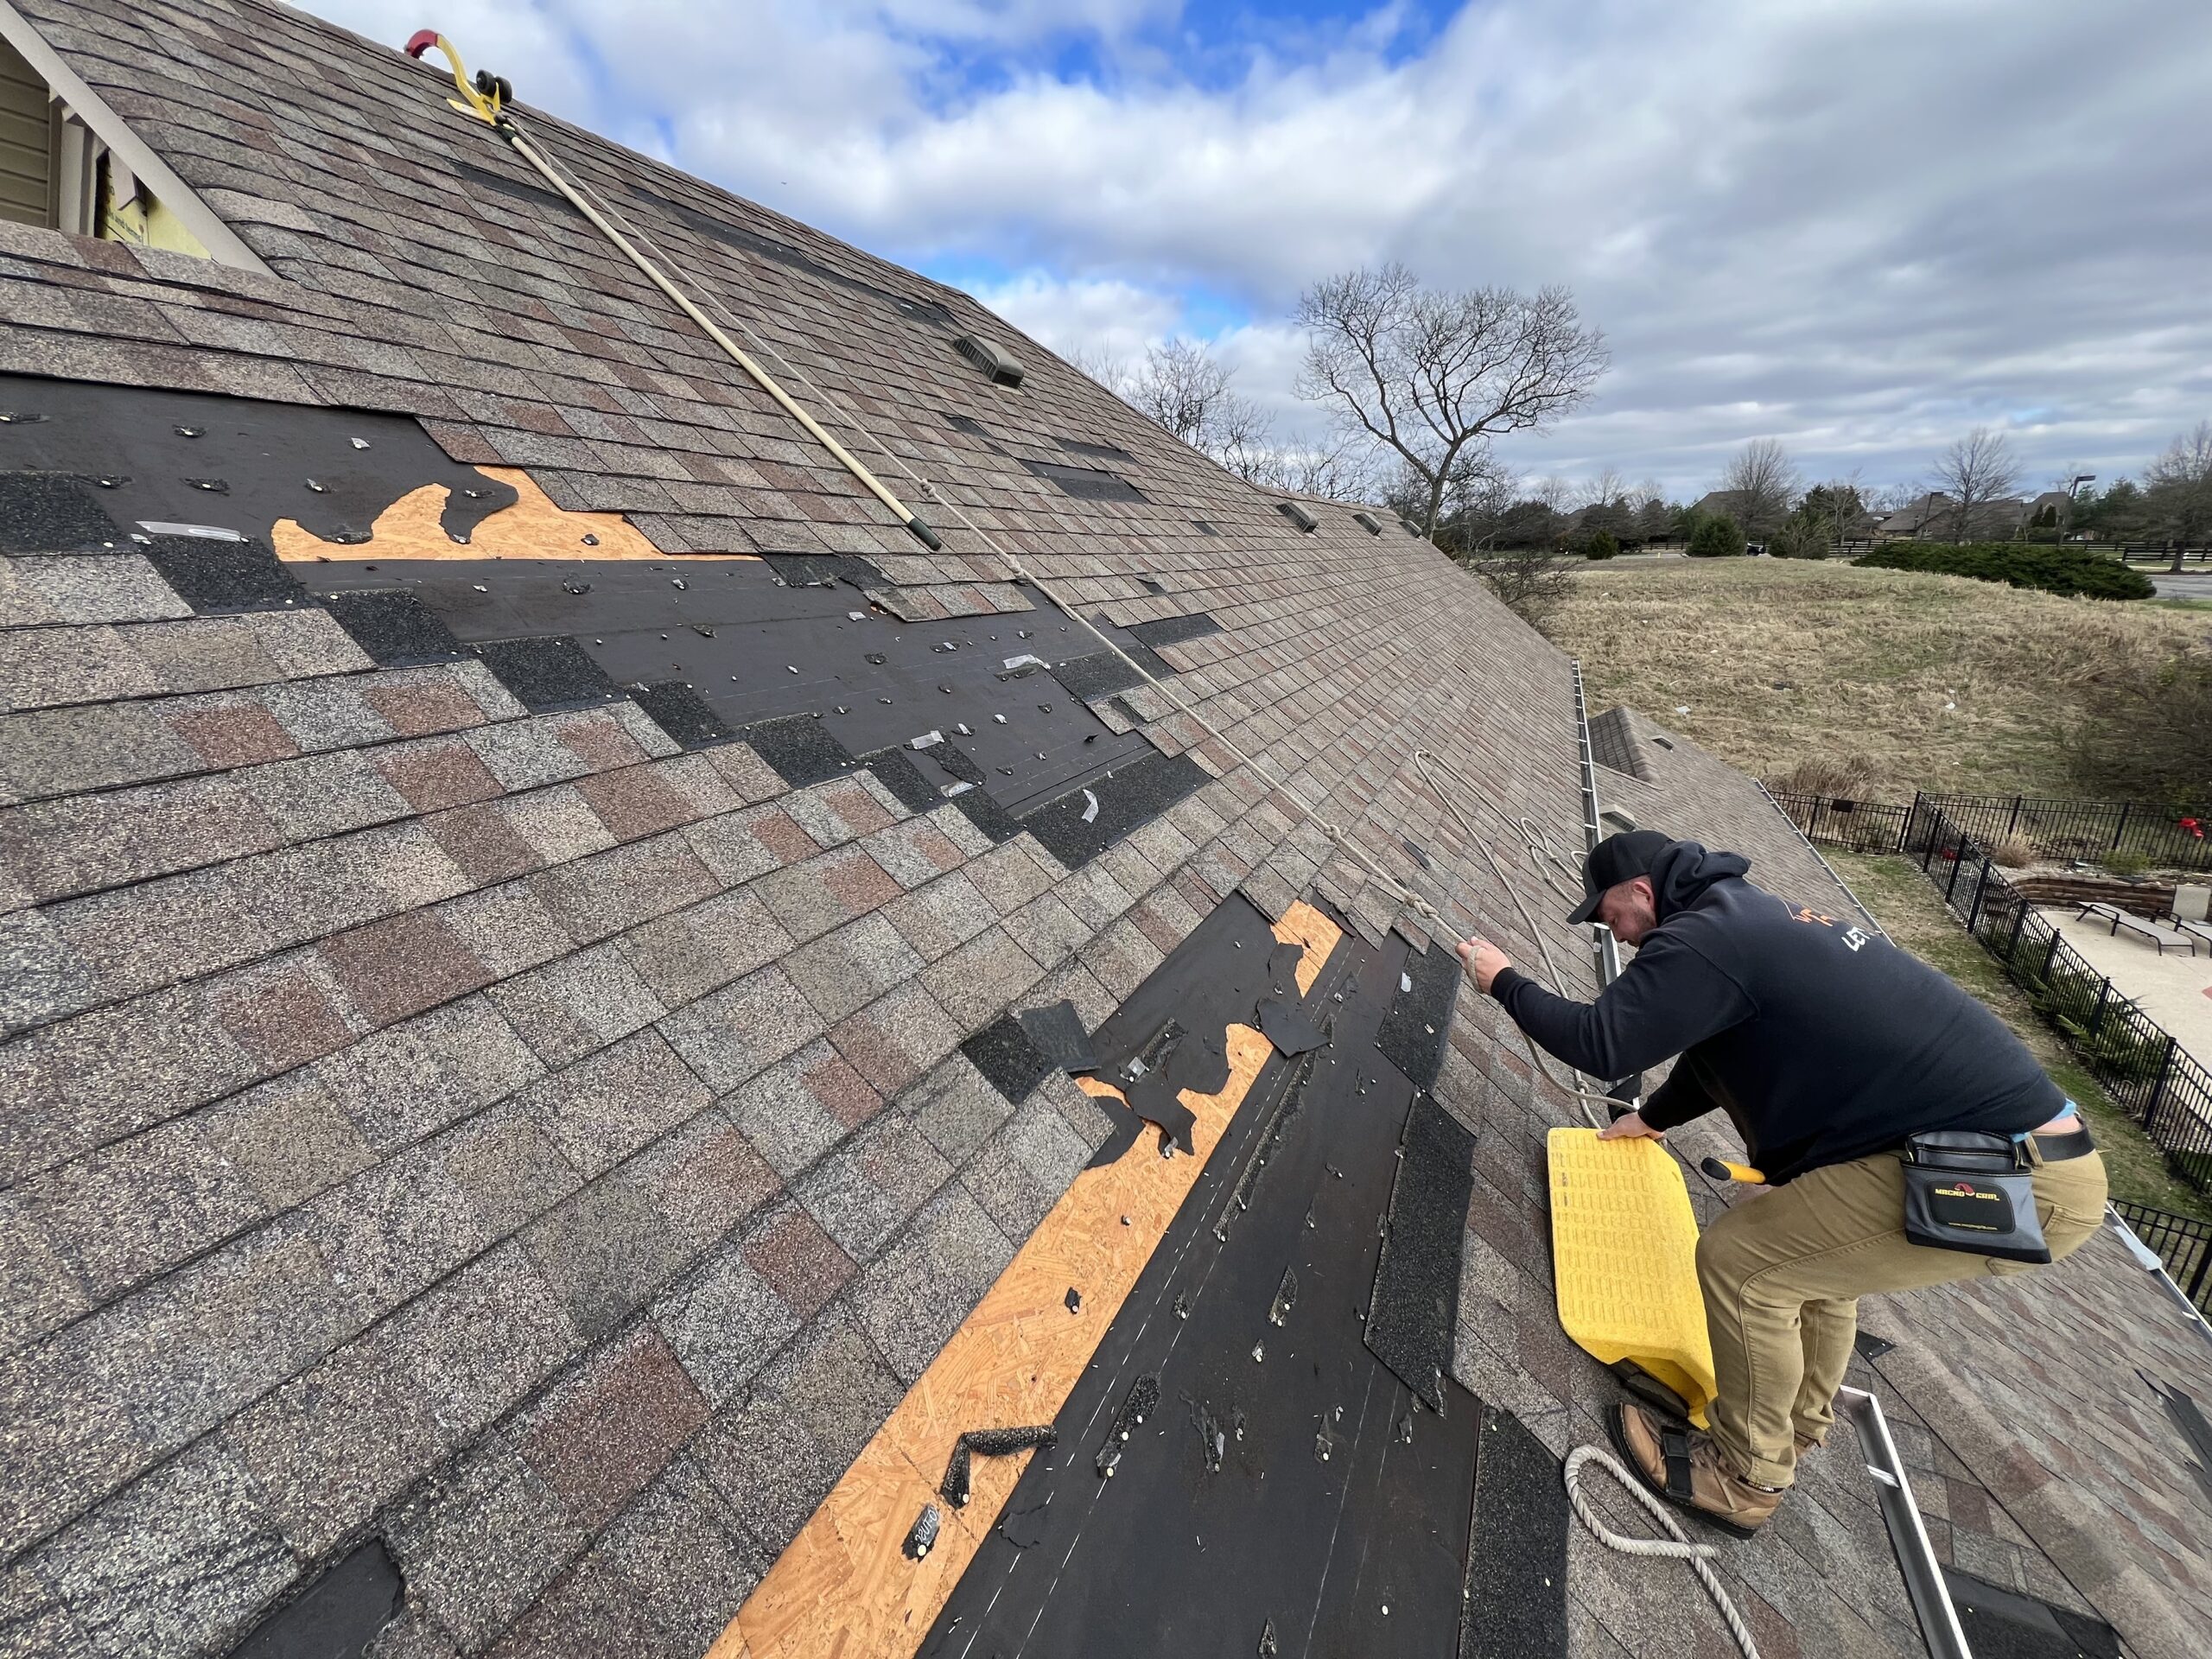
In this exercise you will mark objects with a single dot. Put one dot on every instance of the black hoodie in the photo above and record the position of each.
(1822, 1040)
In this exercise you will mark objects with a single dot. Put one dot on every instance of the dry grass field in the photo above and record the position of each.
(1938, 682)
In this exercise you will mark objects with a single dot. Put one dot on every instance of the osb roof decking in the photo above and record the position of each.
(550, 1151)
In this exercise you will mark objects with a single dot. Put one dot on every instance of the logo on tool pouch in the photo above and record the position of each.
(1965, 1190)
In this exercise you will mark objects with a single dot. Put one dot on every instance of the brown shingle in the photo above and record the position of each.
(800, 1262)
(392, 969)
(238, 735)
(615, 1426)
(435, 775)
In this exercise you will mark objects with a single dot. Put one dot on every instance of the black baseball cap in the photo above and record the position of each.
(1615, 859)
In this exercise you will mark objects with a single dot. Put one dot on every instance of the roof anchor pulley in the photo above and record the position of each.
(485, 98)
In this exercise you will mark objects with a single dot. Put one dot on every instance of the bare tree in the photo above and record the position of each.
(1428, 374)
(1187, 388)
(1977, 471)
(1765, 482)
(1097, 363)
(2178, 488)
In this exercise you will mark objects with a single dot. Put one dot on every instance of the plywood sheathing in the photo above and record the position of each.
(843, 1587)
(532, 529)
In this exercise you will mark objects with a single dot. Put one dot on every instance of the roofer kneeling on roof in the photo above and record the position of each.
(1906, 1138)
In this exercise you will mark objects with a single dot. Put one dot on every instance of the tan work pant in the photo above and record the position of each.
(1783, 1272)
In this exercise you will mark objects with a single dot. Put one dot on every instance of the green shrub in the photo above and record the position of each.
(1716, 536)
(2070, 570)
(1602, 546)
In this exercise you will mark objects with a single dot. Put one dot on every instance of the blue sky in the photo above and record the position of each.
(1860, 228)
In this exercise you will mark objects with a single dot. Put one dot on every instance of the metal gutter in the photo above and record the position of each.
(2149, 1260)
(1923, 1575)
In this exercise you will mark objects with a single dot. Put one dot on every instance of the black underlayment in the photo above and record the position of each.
(804, 667)
(1416, 1302)
(2002, 1623)
(1517, 1578)
(335, 1618)
(1281, 1478)
(228, 463)
(1420, 1025)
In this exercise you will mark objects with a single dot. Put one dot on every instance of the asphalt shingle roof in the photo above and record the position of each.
(548, 1150)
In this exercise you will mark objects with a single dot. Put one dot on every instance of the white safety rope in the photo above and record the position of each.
(1675, 1547)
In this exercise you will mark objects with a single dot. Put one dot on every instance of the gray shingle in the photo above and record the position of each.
(323, 794)
(604, 1251)
(577, 1004)
(331, 1446)
(509, 1167)
(182, 1560)
(607, 892)
(699, 949)
(981, 977)
(478, 1547)
(863, 1192)
(128, 1211)
(392, 1231)
(956, 1108)
(95, 587)
(852, 966)
(685, 1547)
(742, 1029)
(725, 1321)
(915, 1296)
(483, 1340)
(409, 1080)
(61, 848)
(63, 751)
(601, 1110)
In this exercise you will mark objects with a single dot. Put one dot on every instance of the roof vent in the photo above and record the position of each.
(1368, 522)
(994, 360)
(1297, 515)
(1616, 822)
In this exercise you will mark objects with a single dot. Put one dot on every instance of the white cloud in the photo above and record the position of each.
(1861, 228)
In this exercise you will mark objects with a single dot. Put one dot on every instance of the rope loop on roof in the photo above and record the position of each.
(1675, 1547)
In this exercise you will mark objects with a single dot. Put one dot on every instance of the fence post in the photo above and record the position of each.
(2159, 1089)
(2051, 957)
(2097, 1014)
(2121, 828)
(2014, 822)
(2019, 920)
(1980, 886)
(1813, 828)
(1958, 858)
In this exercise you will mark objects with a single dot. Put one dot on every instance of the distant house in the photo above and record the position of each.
(1723, 504)
(1936, 515)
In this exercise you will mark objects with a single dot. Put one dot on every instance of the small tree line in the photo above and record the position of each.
(1419, 384)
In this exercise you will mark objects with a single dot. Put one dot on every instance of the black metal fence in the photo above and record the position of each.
(2182, 1243)
(2146, 1071)
(1856, 826)
(2091, 830)
(2061, 829)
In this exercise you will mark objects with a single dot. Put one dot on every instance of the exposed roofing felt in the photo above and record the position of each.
(462, 1102)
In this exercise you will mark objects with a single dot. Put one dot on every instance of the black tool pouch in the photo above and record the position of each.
(1967, 1190)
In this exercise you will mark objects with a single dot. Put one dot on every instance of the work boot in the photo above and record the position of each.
(1684, 1467)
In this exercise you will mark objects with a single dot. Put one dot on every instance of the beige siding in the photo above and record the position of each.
(26, 163)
